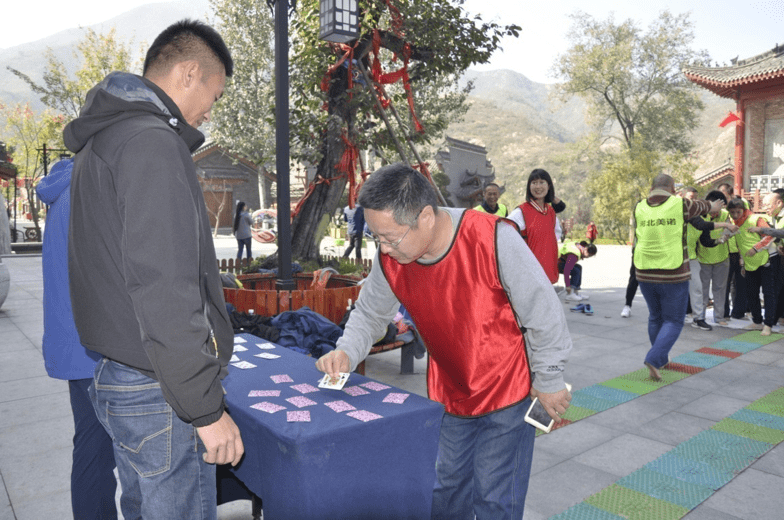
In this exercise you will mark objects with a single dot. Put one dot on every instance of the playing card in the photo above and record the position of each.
(340, 406)
(266, 346)
(244, 364)
(298, 416)
(264, 393)
(239, 340)
(234, 358)
(355, 390)
(267, 355)
(334, 383)
(364, 415)
(305, 388)
(301, 401)
(394, 397)
(268, 407)
(239, 348)
(282, 378)
(373, 385)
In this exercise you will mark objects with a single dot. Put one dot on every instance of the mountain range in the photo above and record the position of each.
(519, 122)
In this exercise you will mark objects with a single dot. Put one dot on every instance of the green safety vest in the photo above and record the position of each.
(569, 246)
(746, 241)
(659, 232)
(718, 254)
(501, 210)
(692, 237)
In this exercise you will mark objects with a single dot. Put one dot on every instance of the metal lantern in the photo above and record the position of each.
(338, 20)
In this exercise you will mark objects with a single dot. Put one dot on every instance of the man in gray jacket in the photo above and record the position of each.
(145, 286)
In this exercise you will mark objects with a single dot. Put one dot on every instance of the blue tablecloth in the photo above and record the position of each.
(334, 466)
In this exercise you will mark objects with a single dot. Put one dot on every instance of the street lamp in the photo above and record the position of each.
(338, 20)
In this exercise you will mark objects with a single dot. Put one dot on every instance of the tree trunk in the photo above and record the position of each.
(265, 189)
(310, 225)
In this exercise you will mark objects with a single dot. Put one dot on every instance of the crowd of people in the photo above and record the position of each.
(151, 338)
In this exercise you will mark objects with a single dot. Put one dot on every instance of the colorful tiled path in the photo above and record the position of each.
(678, 481)
(597, 398)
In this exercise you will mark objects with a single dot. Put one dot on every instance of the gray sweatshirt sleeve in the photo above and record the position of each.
(538, 309)
(375, 308)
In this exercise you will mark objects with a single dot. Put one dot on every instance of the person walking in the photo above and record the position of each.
(355, 227)
(242, 230)
(661, 261)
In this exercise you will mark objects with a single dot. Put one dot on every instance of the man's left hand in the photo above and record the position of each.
(554, 404)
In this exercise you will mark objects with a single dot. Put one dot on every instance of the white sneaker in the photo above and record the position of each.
(626, 312)
(572, 297)
(584, 296)
(688, 319)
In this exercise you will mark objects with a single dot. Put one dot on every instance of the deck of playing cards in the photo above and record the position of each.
(334, 383)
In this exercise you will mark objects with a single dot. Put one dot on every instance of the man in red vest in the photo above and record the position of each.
(473, 288)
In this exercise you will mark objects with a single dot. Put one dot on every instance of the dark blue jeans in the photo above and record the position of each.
(666, 312)
(354, 241)
(576, 276)
(159, 457)
(93, 484)
(244, 242)
(483, 465)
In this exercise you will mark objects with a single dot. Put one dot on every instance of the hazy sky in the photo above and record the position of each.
(725, 28)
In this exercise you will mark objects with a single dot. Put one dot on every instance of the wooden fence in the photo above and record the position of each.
(232, 265)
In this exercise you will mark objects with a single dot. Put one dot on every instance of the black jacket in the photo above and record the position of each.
(145, 286)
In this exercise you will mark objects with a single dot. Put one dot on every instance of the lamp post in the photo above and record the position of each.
(285, 281)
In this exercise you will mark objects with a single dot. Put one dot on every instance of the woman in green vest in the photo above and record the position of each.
(569, 254)
(715, 262)
(755, 266)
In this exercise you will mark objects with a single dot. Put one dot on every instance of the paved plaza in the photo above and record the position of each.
(601, 461)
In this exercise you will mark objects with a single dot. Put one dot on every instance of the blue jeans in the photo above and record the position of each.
(159, 457)
(667, 310)
(244, 242)
(483, 465)
(93, 484)
(576, 276)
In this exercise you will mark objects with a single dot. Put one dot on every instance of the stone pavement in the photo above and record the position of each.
(570, 465)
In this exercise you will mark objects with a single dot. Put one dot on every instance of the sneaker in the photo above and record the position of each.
(588, 310)
(573, 297)
(626, 312)
(700, 324)
(765, 331)
(584, 296)
(688, 319)
(578, 308)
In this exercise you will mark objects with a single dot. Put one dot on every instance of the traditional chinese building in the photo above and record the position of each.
(757, 86)
(469, 171)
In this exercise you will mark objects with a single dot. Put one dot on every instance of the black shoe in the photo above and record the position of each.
(700, 324)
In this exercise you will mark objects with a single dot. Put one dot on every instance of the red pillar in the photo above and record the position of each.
(740, 131)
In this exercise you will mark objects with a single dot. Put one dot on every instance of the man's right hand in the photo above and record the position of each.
(333, 363)
(222, 440)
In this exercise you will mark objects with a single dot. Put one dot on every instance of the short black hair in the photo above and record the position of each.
(716, 195)
(535, 176)
(400, 188)
(492, 184)
(735, 204)
(185, 40)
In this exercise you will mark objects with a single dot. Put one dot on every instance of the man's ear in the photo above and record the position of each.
(189, 73)
(427, 217)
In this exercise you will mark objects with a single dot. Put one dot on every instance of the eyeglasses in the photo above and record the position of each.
(396, 243)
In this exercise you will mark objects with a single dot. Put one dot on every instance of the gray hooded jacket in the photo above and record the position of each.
(145, 285)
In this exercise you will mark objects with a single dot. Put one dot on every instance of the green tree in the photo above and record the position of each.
(632, 80)
(438, 40)
(624, 179)
(243, 120)
(99, 54)
(26, 132)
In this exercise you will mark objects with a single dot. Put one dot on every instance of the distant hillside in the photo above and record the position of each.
(523, 128)
(139, 26)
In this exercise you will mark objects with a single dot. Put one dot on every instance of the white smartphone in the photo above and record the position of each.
(538, 416)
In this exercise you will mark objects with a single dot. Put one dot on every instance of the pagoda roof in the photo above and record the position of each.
(727, 81)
